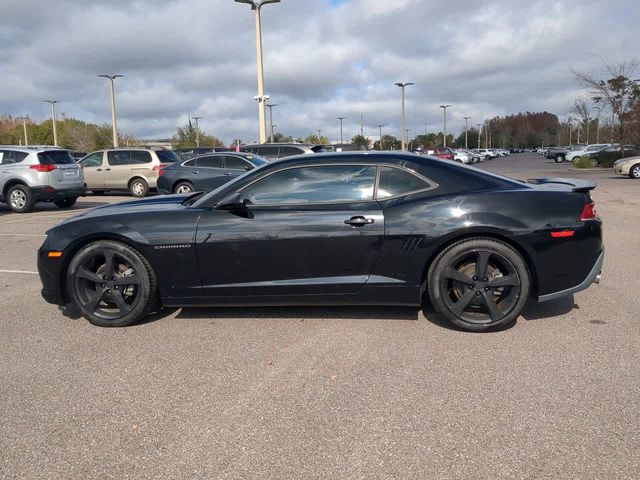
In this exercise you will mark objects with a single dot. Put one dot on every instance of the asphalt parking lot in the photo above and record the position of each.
(336, 393)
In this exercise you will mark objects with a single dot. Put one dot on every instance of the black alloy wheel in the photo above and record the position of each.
(479, 284)
(111, 284)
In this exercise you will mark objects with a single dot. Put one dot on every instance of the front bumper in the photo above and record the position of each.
(50, 271)
(593, 277)
(49, 194)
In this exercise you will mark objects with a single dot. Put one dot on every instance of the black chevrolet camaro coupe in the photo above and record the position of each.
(335, 229)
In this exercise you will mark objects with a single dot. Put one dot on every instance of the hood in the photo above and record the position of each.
(155, 203)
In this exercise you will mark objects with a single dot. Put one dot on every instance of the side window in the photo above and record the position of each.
(19, 156)
(93, 160)
(210, 161)
(394, 182)
(289, 151)
(190, 163)
(320, 184)
(236, 163)
(9, 157)
(139, 156)
(119, 158)
(268, 151)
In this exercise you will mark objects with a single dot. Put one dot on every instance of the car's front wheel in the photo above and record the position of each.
(634, 172)
(111, 284)
(559, 158)
(479, 284)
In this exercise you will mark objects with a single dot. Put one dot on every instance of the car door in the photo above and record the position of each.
(208, 173)
(235, 166)
(305, 231)
(118, 169)
(93, 168)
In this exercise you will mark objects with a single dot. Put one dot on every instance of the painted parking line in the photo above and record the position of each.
(22, 235)
(26, 272)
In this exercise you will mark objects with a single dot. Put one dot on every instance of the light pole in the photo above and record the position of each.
(24, 127)
(270, 107)
(598, 125)
(197, 131)
(479, 125)
(341, 119)
(113, 107)
(380, 143)
(257, 6)
(319, 134)
(53, 120)
(466, 132)
(407, 137)
(569, 123)
(444, 135)
(402, 86)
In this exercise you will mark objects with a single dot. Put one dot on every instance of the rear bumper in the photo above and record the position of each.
(47, 194)
(592, 277)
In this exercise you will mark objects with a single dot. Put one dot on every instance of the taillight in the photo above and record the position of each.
(158, 169)
(588, 212)
(43, 168)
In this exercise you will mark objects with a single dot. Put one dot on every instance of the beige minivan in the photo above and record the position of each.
(133, 169)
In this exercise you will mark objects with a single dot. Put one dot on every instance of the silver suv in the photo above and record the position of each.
(39, 174)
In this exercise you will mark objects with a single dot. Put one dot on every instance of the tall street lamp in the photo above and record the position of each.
(257, 6)
(24, 127)
(197, 131)
(113, 107)
(270, 107)
(341, 119)
(53, 120)
(319, 135)
(479, 125)
(444, 136)
(466, 132)
(598, 125)
(402, 86)
(380, 143)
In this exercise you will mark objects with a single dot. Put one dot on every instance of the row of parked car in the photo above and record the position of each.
(599, 154)
(32, 174)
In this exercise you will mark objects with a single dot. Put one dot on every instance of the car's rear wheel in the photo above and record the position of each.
(183, 187)
(559, 158)
(594, 162)
(479, 284)
(139, 187)
(20, 199)
(634, 172)
(111, 284)
(66, 202)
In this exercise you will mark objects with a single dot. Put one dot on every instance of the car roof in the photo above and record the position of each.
(32, 148)
(284, 145)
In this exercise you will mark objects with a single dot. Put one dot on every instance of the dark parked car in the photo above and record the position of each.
(187, 153)
(343, 229)
(273, 151)
(206, 172)
(607, 157)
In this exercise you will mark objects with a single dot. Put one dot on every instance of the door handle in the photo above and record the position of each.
(359, 221)
(107, 169)
(195, 171)
(98, 170)
(227, 173)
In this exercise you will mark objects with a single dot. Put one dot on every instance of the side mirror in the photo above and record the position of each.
(235, 202)
(248, 167)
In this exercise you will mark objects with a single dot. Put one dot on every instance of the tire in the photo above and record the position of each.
(66, 202)
(138, 187)
(99, 298)
(20, 199)
(479, 284)
(487, 157)
(98, 192)
(634, 172)
(184, 187)
(594, 162)
(559, 158)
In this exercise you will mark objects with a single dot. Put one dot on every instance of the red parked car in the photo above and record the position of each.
(442, 152)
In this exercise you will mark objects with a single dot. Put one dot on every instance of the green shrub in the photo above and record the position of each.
(584, 162)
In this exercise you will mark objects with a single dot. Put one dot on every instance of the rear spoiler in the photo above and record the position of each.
(576, 184)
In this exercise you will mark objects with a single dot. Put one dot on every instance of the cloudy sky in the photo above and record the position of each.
(323, 58)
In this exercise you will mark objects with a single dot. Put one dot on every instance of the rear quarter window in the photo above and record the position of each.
(139, 156)
(167, 156)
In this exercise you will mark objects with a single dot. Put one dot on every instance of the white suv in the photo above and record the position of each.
(594, 148)
(39, 174)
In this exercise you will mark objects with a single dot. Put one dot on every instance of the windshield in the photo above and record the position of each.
(55, 157)
(257, 160)
(168, 156)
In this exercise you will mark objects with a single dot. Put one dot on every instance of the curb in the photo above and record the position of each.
(573, 169)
